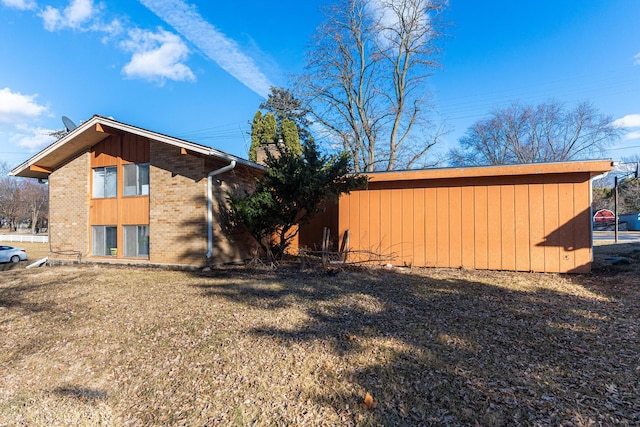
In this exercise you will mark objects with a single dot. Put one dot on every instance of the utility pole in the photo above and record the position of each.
(615, 207)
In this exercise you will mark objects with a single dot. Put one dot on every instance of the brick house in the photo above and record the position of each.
(120, 193)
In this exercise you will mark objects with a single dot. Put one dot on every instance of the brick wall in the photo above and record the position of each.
(230, 244)
(178, 209)
(177, 220)
(68, 210)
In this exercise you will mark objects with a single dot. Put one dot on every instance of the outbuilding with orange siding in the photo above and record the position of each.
(533, 217)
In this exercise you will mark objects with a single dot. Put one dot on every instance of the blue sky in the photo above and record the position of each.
(198, 70)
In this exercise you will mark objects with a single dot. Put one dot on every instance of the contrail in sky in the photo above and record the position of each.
(186, 20)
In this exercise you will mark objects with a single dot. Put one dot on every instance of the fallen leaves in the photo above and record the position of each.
(368, 347)
(368, 403)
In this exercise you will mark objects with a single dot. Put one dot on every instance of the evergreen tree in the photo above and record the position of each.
(293, 189)
(269, 129)
(264, 130)
(256, 132)
(285, 105)
(290, 137)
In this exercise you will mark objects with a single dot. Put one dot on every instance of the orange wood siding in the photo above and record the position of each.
(385, 222)
(522, 209)
(135, 149)
(526, 223)
(467, 227)
(536, 227)
(117, 150)
(135, 210)
(582, 226)
(106, 152)
(481, 219)
(103, 211)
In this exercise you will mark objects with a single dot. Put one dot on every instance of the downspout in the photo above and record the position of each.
(210, 204)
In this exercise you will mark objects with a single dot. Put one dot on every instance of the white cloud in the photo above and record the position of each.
(186, 20)
(77, 15)
(33, 139)
(16, 108)
(20, 4)
(637, 59)
(156, 56)
(628, 121)
(632, 135)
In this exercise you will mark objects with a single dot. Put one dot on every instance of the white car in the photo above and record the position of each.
(12, 254)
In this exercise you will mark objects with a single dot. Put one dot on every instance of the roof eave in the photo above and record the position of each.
(93, 131)
(593, 167)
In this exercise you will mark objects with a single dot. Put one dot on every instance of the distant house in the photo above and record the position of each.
(119, 193)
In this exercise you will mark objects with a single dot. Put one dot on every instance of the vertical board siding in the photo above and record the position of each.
(508, 227)
(467, 227)
(442, 227)
(419, 224)
(522, 208)
(407, 226)
(566, 229)
(481, 219)
(494, 231)
(536, 227)
(551, 240)
(582, 223)
(396, 227)
(455, 226)
(374, 224)
(431, 230)
(363, 217)
(384, 246)
(535, 223)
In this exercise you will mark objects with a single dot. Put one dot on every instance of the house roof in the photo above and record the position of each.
(592, 167)
(95, 130)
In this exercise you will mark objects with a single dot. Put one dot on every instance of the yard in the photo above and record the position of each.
(91, 345)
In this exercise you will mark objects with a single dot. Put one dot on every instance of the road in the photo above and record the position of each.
(623, 236)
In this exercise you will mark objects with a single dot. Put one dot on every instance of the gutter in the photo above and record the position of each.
(210, 204)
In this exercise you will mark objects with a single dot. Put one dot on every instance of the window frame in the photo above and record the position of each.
(139, 186)
(104, 193)
(105, 240)
(136, 229)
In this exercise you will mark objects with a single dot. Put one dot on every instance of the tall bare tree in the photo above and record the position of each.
(549, 132)
(22, 199)
(365, 75)
(35, 202)
(10, 201)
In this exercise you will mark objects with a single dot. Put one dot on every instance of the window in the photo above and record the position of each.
(105, 182)
(136, 241)
(105, 240)
(136, 179)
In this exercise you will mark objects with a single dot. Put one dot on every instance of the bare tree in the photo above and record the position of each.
(364, 79)
(550, 132)
(22, 199)
(35, 202)
(10, 201)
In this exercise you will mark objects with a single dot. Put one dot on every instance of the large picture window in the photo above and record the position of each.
(105, 240)
(136, 241)
(136, 179)
(105, 182)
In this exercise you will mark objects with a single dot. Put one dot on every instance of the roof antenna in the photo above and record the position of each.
(68, 127)
(68, 123)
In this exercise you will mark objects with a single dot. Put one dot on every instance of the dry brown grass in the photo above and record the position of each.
(131, 346)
